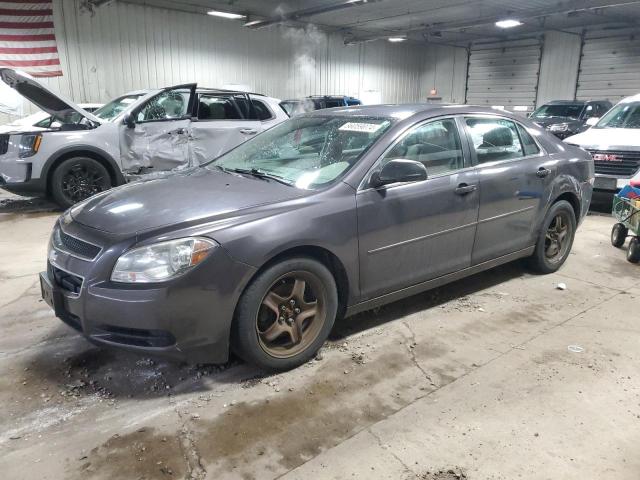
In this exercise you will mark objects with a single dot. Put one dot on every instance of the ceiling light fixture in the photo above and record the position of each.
(508, 23)
(397, 39)
(253, 23)
(229, 15)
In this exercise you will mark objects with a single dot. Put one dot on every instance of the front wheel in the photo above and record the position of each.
(618, 235)
(78, 178)
(555, 239)
(285, 314)
(633, 254)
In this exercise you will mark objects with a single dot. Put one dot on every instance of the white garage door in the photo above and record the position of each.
(610, 66)
(504, 74)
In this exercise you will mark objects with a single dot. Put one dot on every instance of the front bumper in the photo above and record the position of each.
(188, 318)
(613, 183)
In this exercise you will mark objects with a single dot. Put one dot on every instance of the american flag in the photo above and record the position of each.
(27, 39)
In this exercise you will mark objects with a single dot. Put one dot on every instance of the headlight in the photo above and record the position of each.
(161, 261)
(29, 145)
(559, 127)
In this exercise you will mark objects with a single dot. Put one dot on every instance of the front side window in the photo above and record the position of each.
(494, 139)
(306, 152)
(167, 105)
(435, 144)
(623, 115)
(115, 107)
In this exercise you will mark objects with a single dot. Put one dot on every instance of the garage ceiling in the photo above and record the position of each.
(437, 21)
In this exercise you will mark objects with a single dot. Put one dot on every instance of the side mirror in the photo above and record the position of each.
(399, 170)
(591, 121)
(128, 120)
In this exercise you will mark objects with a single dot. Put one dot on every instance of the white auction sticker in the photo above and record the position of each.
(360, 127)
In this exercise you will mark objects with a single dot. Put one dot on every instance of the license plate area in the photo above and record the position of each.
(51, 295)
(605, 183)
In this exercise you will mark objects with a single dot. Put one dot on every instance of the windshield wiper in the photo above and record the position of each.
(255, 172)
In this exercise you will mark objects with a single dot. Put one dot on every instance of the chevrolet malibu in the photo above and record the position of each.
(325, 215)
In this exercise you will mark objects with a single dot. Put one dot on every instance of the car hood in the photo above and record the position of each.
(191, 197)
(608, 139)
(41, 96)
(547, 121)
(4, 129)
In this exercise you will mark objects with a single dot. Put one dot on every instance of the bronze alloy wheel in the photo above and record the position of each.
(557, 237)
(291, 314)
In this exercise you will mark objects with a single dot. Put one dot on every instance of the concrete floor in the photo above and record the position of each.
(499, 376)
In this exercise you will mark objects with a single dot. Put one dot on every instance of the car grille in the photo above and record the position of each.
(623, 164)
(4, 144)
(65, 280)
(74, 245)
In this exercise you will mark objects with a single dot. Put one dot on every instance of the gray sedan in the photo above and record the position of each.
(328, 214)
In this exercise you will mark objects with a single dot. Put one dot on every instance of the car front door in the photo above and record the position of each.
(156, 134)
(413, 232)
(514, 175)
(223, 121)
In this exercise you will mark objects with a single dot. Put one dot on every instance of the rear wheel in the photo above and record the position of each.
(618, 235)
(286, 314)
(78, 178)
(633, 254)
(556, 238)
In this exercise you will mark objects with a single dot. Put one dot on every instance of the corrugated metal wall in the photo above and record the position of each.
(610, 65)
(504, 74)
(125, 46)
(559, 67)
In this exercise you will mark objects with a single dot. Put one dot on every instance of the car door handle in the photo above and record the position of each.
(179, 131)
(543, 172)
(464, 189)
(248, 131)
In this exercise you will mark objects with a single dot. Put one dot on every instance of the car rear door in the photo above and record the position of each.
(158, 138)
(514, 175)
(222, 122)
(413, 232)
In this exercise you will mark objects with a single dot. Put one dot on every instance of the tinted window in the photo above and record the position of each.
(262, 111)
(494, 139)
(167, 105)
(435, 144)
(217, 107)
(243, 106)
(528, 143)
(333, 103)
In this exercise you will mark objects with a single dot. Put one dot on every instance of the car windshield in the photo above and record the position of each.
(308, 152)
(623, 115)
(571, 110)
(115, 107)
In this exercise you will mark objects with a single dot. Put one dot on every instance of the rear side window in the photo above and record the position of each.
(262, 111)
(217, 107)
(528, 143)
(494, 139)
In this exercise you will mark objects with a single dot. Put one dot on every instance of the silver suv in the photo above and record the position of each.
(141, 132)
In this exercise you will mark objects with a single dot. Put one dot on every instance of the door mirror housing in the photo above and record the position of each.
(591, 121)
(399, 170)
(129, 120)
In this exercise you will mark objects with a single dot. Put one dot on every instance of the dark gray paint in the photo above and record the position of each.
(391, 241)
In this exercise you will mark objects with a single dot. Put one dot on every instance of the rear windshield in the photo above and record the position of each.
(565, 110)
(307, 152)
(115, 107)
(623, 115)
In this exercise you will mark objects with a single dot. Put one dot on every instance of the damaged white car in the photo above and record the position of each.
(141, 132)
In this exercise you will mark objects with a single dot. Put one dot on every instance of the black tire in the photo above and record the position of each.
(543, 260)
(618, 235)
(248, 333)
(633, 254)
(78, 178)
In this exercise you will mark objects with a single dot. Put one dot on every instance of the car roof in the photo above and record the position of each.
(567, 102)
(198, 89)
(632, 98)
(402, 111)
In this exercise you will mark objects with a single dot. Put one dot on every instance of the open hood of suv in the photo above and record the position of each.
(41, 96)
